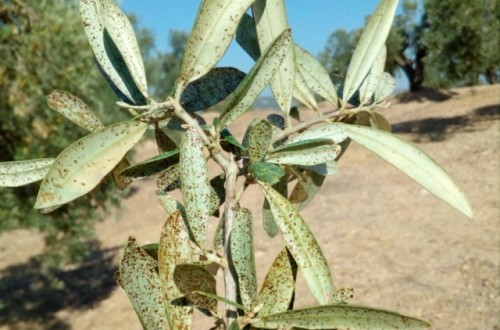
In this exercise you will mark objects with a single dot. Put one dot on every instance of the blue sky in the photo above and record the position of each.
(311, 21)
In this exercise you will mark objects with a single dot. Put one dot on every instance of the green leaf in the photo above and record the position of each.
(83, 164)
(281, 186)
(306, 152)
(74, 109)
(151, 250)
(174, 250)
(412, 161)
(149, 167)
(373, 119)
(371, 42)
(242, 256)
(256, 79)
(110, 59)
(306, 188)
(341, 317)
(315, 75)
(302, 245)
(221, 299)
(278, 288)
(212, 33)
(333, 133)
(210, 89)
(271, 21)
(192, 278)
(19, 173)
(257, 139)
(195, 186)
(246, 36)
(164, 143)
(369, 85)
(138, 277)
(122, 33)
(267, 172)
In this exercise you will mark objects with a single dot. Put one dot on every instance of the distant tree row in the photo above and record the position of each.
(43, 47)
(444, 43)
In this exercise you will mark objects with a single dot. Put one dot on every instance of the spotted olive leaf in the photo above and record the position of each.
(271, 21)
(74, 109)
(333, 133)
(138, 277)
(281, 186)
(306, 152)
(257, 139)
(256, 79)
(210, 89)
(83, 164)
(303, 93)
(341, 316)
(385, 87)
(327, 168)
(302, 245)
(193, 278)
(278, 289)
(174, 250)
(242, 254)
(221, 299)
(306, 188)
(110, 58)
(369, 85)
(122, 33)
(210, 38)
(168, 180)
(195, 187)
(315, 75)
(19, 173)
(412, 161)
(149, 167)
(370, 44)
(373, 119)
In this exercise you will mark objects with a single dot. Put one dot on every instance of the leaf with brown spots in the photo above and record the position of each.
(138, 277)
(149, 167)
(174, 250)
(257, 139)
(19, 173)
(306, 152)
(340, 317)
(278, 288)
(82, 165)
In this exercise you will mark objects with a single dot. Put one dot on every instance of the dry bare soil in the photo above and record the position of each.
(398, 246)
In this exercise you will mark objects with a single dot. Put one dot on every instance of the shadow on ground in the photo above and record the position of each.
(29, 296)
(426, 94)
(436, 129)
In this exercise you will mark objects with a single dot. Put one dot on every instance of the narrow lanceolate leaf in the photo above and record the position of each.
(281, 186)
(334, 133)
(371, 42)
(278, 288)
(246, 36)
(312, 152)
(243, 257)
(122, 33)
(74, 109)
(327, 168)
(315, 75)
(82, 165)
(256, 79)
(210, 89)
(113, 61)
(19, 173)
(412, 161)
(369, 85)
(385, 87)
(258, 139)
(192, 278)
(168, 180)
(212, 33)
(271, 20)
(195, 186)
(303, 93)
(138, 277)
(302, 245)
(341, 316)
(149, 167)
(174, 250)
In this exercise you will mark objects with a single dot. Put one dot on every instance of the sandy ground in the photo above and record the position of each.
(399, 247)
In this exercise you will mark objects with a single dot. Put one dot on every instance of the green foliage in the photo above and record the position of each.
(167, 281)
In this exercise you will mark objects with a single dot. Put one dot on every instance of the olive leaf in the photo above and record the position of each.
(19, 173)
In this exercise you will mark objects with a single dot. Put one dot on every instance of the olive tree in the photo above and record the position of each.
(167, 280)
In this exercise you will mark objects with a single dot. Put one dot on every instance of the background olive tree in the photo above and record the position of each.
(168, 280)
